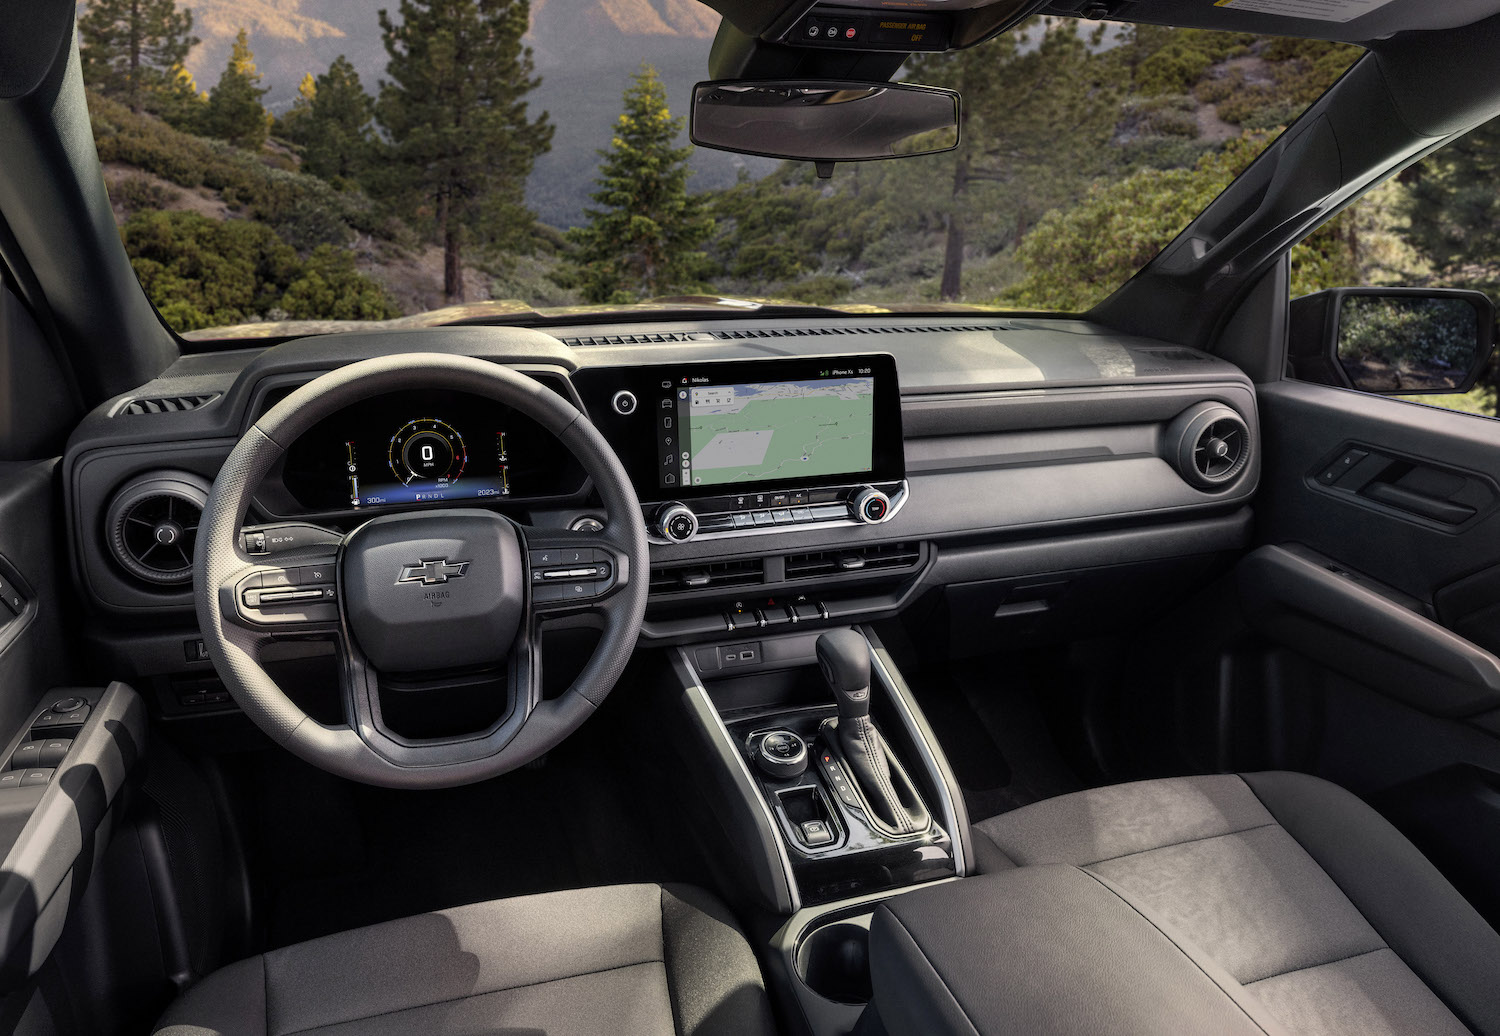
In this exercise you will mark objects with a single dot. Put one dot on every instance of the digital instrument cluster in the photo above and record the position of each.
(424, 447)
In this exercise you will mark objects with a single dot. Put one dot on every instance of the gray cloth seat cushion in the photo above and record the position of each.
(1323, 917)
(621, 959)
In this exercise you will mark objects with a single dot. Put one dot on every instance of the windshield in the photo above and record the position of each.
(319, 167)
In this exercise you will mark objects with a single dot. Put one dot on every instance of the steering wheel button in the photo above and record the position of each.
(279, 577)
(312, 574)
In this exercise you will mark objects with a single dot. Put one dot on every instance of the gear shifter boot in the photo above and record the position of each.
(844, 657)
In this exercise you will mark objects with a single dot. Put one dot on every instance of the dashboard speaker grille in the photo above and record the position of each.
(152, 526)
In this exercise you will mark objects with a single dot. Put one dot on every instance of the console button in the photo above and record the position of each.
(763, 518)
(774, 615)
(743, 520)
(782, 516)
(33, 778)
(805, 610)
(68, 704)
(27, 755)
(54, 751)
(815, 833)
(802, 514)
(11, 779)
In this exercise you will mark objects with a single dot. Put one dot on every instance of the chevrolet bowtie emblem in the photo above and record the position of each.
(429, 573)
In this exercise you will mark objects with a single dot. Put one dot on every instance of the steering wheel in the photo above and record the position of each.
(425, 597)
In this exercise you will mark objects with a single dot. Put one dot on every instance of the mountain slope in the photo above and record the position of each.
(585, 50)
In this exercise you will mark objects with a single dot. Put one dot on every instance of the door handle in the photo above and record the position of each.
(1420, 504)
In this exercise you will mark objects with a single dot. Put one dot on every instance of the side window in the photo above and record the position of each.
(1394, 296)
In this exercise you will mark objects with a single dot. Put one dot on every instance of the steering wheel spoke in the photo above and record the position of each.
(293, 598)
(568, 571)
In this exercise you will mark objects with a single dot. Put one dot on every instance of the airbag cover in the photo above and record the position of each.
(427, 592)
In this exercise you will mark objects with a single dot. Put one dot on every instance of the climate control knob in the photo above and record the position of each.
(870, 506)
(676, 522)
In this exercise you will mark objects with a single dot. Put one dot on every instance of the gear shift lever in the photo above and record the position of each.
(844, 658)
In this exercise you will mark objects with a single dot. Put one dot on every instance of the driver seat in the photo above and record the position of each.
(634, 959)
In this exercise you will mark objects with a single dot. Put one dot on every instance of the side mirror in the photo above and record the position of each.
(1393, 341)
(822, 121)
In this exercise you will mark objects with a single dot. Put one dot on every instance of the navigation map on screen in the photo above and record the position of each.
(778, 430)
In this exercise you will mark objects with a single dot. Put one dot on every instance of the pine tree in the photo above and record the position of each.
(234, 110)
(179, 101)
(129, 47)
(462, 143)
(332, 121)
(292, 125)
(1454, 211)
(1037, 117)
(644, 239)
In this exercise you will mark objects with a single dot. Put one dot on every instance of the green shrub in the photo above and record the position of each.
(202, 272)
(307, 210)
(140, 192)
(821, 289)
(330, 288)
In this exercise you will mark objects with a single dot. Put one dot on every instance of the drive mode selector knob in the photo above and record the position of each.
(676, 522)
(782, 755)
(870, 506)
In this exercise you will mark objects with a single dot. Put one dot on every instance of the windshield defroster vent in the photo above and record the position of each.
(774, 332)
(878, 557)
(165, 404)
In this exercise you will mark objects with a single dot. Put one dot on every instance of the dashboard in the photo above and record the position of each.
(840, 468)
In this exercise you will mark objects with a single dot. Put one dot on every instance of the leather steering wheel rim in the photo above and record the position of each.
(354, 753)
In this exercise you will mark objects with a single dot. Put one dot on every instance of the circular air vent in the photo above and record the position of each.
(1210, 445)
(152, 525)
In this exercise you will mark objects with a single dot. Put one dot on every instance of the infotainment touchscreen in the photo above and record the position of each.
(773, 431)
(720, 429)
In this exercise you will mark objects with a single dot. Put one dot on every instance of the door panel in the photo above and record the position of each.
(1434, 461)
(1390, 603)
(33, 601)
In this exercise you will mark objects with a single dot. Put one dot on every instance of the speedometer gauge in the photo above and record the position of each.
(427, 450)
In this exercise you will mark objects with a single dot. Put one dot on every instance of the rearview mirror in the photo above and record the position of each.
(822, 121)
(1393, 341)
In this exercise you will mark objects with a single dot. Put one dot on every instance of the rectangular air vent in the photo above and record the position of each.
(641, 339)
(165, 404)
(715, 575)
(874, 558)
(775, 332)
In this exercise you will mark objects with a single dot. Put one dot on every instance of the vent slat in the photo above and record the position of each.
(714, 575)
(875, 558)
(651, 338)
(165, 404)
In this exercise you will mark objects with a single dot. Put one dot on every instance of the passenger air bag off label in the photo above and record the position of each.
(1318, 10)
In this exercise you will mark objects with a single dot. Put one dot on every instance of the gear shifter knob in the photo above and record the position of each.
(844, 658)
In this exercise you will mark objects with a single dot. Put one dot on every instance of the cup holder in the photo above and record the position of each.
(834, 960)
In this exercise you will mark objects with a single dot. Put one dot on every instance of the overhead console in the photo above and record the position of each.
(743, 448)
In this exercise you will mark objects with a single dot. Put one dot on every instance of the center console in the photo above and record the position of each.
(833, 794)
(753, 447)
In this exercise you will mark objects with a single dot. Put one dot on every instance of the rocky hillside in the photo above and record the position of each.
(586, 51)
